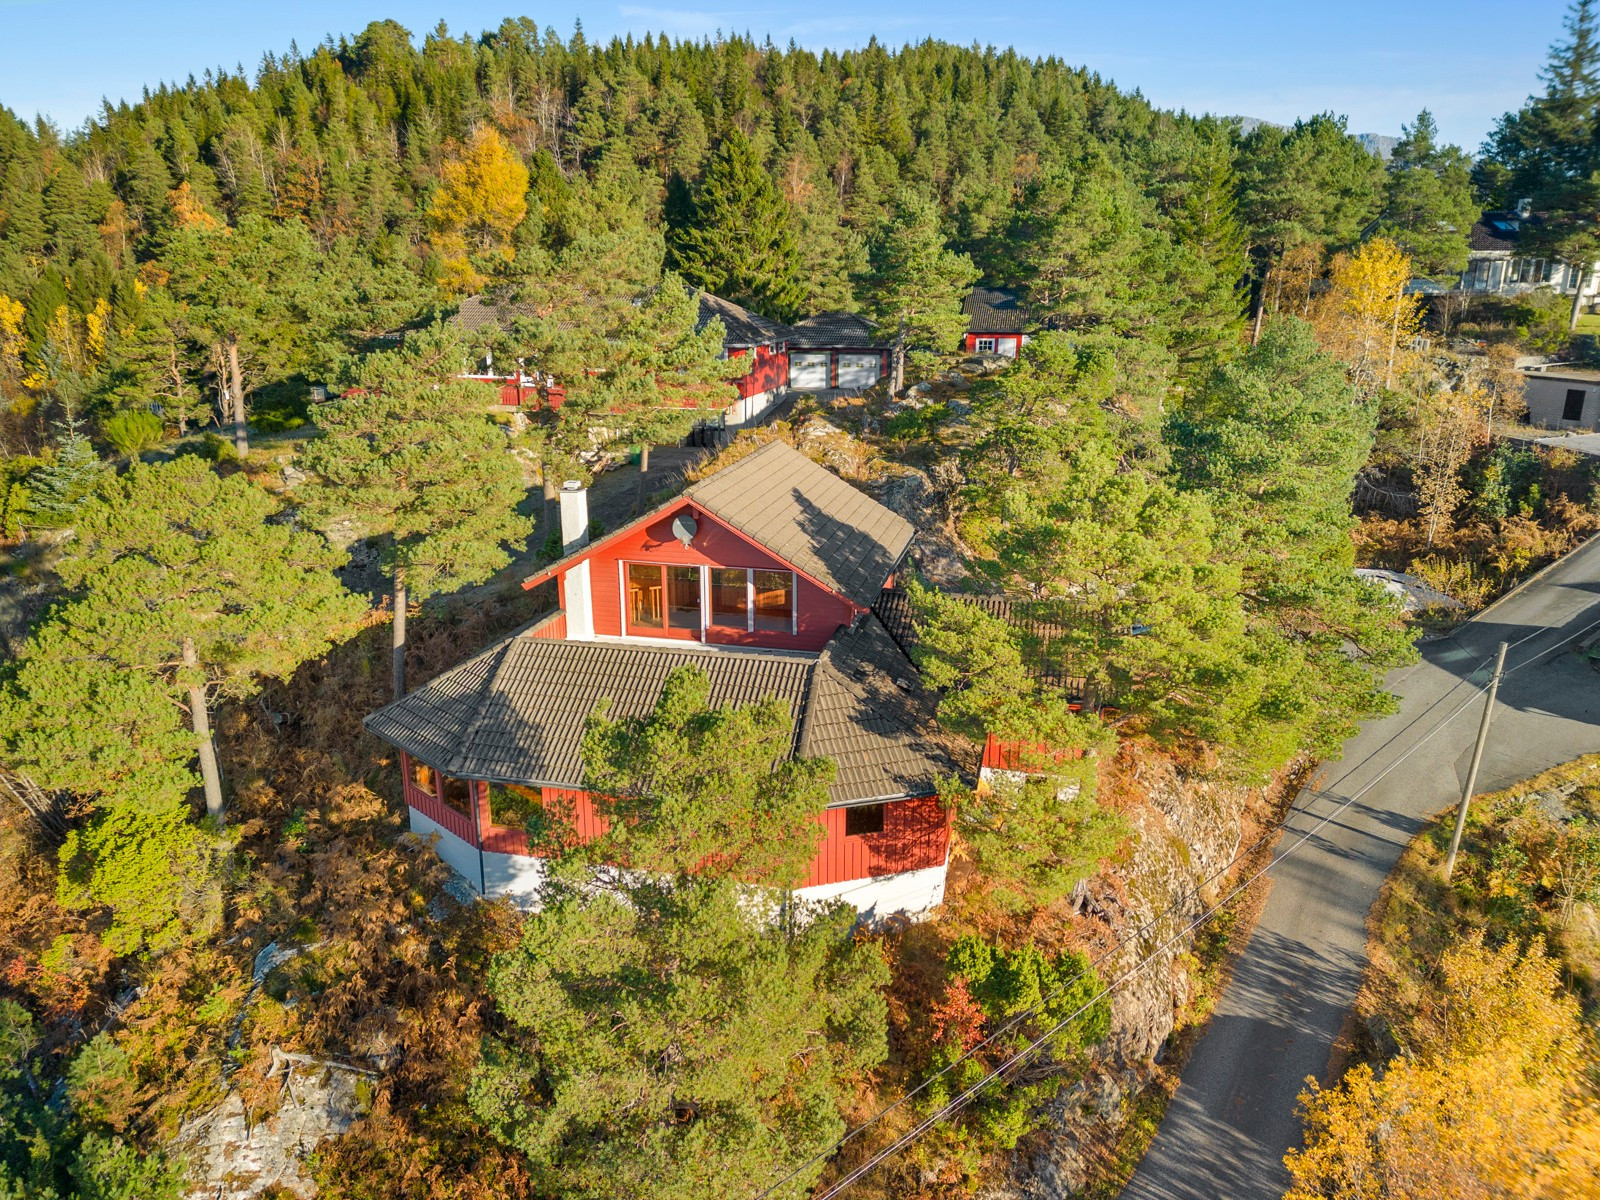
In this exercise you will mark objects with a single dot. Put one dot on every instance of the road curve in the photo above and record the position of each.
(1226, 1131)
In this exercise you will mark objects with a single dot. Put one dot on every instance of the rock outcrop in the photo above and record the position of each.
(1188, 832)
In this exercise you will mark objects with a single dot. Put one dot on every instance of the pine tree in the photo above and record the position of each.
(661, 1041)
(179, 588)
(1428, 203)
(691, 789)
(410, 453)
(915, 285)
(1547, 150)
(738, 243)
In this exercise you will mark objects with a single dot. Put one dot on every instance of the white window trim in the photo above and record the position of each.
(993, 345)
(707, 617)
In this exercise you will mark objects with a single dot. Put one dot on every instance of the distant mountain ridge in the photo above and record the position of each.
(1380, 144)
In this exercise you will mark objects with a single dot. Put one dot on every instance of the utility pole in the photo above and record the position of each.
(1477, 757)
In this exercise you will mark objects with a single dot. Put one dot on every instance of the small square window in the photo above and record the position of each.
(986, 345)
(456, 794)
(863, 819)
(424, 778)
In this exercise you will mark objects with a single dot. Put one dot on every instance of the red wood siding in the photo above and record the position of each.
(916, 834)
(770, 369)
(1014, 338)
(1018, 756)
(553, 627)
(821, 612)
(436, 810)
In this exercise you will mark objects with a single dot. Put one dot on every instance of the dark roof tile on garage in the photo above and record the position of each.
(516, 713)
(833, 331)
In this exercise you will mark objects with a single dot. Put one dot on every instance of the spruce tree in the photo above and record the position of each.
(409, 453)
(58, 489)
(738, 243)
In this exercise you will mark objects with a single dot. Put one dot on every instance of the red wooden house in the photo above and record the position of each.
(745, 335)
(998, 322)
(764, 575)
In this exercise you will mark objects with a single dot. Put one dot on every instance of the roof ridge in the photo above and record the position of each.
(479, 705)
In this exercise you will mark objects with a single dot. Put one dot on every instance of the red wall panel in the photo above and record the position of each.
(821, 612)
(916, 834)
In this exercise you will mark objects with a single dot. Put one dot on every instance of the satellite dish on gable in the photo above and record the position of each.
(684, 528)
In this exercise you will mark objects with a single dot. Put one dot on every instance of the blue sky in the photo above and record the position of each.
(1378, 63)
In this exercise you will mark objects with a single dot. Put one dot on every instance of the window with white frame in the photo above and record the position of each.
(751, 600)
(986, 345)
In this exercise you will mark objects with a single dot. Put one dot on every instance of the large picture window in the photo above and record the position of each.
(774, 601)
(645, 597)
(730, 598)
(683, 598)
(664, 599)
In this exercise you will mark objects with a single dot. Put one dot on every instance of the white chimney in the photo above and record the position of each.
(574, 516)
(577, 594)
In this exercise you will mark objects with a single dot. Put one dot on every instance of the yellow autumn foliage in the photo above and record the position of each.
(1365, 319)
(480, 200)
(187, 210)
(1491, 1099)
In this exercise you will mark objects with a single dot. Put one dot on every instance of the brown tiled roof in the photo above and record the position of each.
(808, 516)
(478, 313)
(802, 512)
(515, 714)
(868, 712)
(833, 331)
(740, 326)
(994, 310)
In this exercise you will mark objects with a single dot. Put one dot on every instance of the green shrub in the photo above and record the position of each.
(133, 432)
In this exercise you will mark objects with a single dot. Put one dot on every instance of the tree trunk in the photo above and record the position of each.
(1259, 306)
(200, 721)
(1577, 301)
(551, 496)
(897, 377)
(398, 639)
(241, 432)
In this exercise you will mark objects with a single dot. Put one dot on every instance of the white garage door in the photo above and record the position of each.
(859, 370)
(808, 370)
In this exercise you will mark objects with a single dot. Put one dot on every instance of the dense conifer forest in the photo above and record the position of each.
(237, 456)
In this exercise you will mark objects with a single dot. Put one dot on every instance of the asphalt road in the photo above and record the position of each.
(1233, 1117)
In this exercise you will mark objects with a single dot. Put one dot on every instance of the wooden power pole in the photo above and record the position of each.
(1477, 757)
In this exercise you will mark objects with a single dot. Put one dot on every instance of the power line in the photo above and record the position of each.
(960, 1100)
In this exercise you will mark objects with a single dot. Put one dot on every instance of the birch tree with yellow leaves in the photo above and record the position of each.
(1365, 318)
(481, 198)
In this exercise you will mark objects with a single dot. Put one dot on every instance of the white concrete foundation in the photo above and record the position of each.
(912, 894)
(516, 877)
